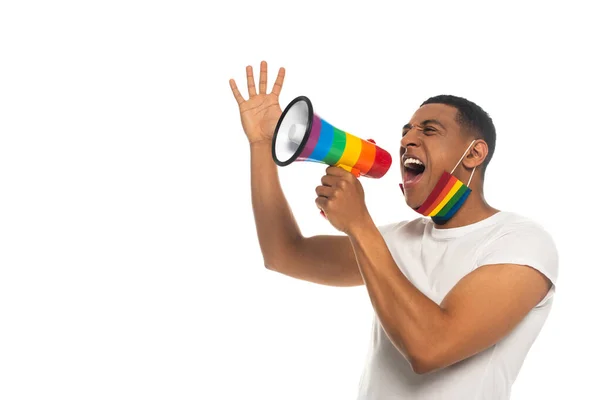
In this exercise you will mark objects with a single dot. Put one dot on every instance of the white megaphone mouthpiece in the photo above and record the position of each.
(297, 132)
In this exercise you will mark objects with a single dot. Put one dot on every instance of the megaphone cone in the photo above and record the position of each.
(301, 135)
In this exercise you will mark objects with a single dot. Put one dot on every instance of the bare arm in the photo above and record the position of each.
(482, 308)
(323, 259)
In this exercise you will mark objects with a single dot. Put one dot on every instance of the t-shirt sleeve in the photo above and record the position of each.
(528, 244)
(386, 227)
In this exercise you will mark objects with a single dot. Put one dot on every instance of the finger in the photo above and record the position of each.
(325, 191)
(236, 92)
(337, 171)
(250, 79)
(279, 81)
(321, 203)
(262, 83)
(329, 180)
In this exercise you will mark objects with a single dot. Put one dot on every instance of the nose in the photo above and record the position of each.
(411, 138)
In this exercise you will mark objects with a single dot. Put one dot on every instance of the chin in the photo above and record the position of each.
(412, 201)
(414, 205)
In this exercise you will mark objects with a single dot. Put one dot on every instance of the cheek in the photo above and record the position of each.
(438, 163)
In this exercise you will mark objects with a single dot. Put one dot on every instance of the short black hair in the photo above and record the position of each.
(472, 118)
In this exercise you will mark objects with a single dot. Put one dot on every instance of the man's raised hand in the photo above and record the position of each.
(261, 111)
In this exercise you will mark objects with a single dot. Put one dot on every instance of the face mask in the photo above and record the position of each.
(447, 196)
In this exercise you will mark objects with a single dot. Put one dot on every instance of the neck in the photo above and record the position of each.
(474, 209)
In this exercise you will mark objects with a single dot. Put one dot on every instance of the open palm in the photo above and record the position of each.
(261, 111)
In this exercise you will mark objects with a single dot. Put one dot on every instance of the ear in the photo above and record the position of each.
(477, 155)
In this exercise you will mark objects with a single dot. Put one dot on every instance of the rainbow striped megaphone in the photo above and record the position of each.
(301, 135)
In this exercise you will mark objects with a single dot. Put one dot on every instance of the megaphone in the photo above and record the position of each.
(301, 135)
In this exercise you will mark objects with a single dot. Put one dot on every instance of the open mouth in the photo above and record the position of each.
(413, 170)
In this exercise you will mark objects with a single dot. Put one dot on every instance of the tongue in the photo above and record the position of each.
(411, 174)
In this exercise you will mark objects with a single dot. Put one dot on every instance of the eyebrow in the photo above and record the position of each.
(427, 121)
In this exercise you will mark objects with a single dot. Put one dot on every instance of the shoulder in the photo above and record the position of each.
(515, 227)
(517, 239)
(416, 225)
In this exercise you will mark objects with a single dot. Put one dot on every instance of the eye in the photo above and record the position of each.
(428, 130)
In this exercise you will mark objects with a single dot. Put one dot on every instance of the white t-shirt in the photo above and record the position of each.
(434, 260)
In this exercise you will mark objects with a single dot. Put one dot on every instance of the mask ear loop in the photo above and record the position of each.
(472, 173)
(459, 161)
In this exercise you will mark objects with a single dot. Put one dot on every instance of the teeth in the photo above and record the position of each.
(412, 161)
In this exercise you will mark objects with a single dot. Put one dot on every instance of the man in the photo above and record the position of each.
(459, 293)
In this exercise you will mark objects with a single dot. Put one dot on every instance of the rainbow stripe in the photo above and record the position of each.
(445, 199)
(330, 145)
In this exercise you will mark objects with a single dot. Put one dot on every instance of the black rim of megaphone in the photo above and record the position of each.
(306, 135)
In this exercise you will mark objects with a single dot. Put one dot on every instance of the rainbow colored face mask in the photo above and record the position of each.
(447, 196)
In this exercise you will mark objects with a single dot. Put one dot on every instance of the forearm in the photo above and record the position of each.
(414, 323)
(275, 224)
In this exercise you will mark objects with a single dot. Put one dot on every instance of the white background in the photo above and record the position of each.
(129, 264)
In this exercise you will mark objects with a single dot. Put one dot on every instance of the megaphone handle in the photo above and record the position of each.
(354, 172)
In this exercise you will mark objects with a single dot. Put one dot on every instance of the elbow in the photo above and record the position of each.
(268, 265)
(270, 260)
(424, 362)
(277, 258)
(422, 367)
(272, 263)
